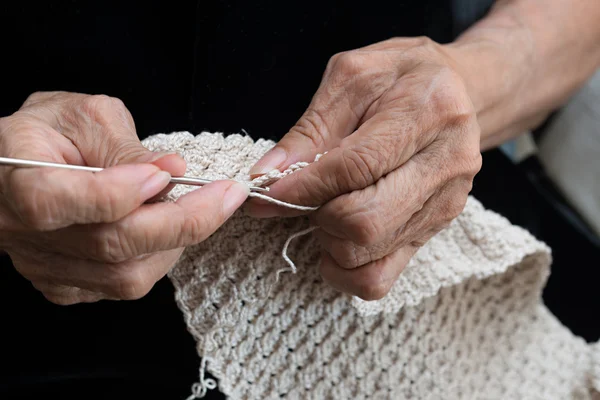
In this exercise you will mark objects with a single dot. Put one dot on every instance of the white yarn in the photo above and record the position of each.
(463, 321)
(275, 175)
(199, 389)
(287, 244)
(261, 181)
(272, 177)
(282, 203)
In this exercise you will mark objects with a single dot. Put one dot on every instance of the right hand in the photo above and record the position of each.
(83, 236)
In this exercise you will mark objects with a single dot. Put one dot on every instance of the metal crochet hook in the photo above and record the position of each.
(179, 180)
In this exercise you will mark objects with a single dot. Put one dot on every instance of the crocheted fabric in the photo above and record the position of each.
(464, 321)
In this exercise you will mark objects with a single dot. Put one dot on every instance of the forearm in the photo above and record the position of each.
(525, 59)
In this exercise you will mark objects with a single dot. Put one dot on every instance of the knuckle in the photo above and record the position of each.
(451, 208)
(306, 189)
(108, 205)
(473, 164)
(99, 107)
(122, 113)
(35, 96)
(333, 62)
(364, 227)
(347, 64)
(197, 228)
(109, 245)
(426, 42)
(117, 104)
(420, 242)
(370, 289)
(449, 99)
(361, 166)
(131, 285)
(32, 206)
(346, 255)
(313, 126)
(454, 207)
(39, 96)
(94, 102)
(467, 165)
(418, 48)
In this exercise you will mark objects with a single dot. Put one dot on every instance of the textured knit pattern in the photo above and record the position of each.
(464, 321)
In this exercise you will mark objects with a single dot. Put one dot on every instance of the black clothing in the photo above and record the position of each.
(199, 65)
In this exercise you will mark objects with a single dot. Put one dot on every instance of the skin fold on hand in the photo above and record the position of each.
(402, 143)
(403, 123)
(80, 236)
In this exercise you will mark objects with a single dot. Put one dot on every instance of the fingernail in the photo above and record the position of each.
(270, 161)
(154, 184)
(234, 197)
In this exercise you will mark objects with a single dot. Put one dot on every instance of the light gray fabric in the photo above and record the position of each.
(570, 152)
(464, 321)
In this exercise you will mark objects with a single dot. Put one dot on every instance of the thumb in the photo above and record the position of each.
(329, 118)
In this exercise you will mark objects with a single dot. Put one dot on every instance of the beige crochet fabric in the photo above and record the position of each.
(464, 321)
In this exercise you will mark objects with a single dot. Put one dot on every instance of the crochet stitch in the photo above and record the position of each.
(464, 321)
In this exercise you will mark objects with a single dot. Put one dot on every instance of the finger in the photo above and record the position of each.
(369, 282)
(67, 295)
(171, 163)
(437, 214)
(349, 255)
(354, 165)
(52, 198)
(369, 216)
(438, 211)
(405, 126)
(344, 190)
(128, 280)
(351, 83)
(159, 226)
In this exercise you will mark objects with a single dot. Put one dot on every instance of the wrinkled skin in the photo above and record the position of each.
(80, 236)
(403, 147)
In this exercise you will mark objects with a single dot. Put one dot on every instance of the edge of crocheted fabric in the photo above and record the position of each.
(485, 244)
(595, 371)
(425, 275)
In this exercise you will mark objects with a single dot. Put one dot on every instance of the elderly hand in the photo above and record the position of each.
(402, 144)
(80, 236)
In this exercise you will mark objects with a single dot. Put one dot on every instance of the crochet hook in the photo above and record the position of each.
(179, 180)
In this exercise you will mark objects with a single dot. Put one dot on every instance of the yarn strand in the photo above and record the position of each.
(287, 244)
(282, 203)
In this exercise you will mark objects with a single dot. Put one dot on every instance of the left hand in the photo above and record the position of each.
(403, 147)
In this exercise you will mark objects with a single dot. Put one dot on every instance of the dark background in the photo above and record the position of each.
(218, 66)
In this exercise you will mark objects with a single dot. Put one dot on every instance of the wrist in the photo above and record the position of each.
(518, 67)
(494, 77)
